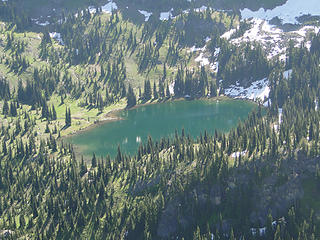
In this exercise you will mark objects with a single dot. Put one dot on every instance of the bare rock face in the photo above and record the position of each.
(276, 199)
(275, 193)
(168, 221)
(180, 213)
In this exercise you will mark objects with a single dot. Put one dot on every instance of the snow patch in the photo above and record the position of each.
(166, 15)
(42, 23)
(202, 60)
(308, 45)
(171, 88)
(287, 12)
(258, 90)
(238, 154)
(57, 36)
(273, 40)
(145, 14)
(227, 35)
(195, 49)
(267, 103)
(201, 9)
(287, 74)
(216, 52)
(91, 9)
(109, 7)
(270, 37)
(214, 67)
(280, 115)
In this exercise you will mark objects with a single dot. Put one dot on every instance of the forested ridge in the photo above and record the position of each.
(259, 181)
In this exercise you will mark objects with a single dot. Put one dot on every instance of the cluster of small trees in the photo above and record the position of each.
(11, 109)
(10, 13)
(68, 117)
(243, 64)
(194, 84)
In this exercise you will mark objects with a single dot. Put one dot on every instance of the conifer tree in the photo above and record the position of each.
(68, 117)
(161, 90)
(13, 109)
(131, 98)
(213, 90)
(168, 95)
(93, 161)
(5, 108)
(47, 128)
(147, 90)
(54, 113)
(4, 147)
(69, 114)
(155, 92)
(164, 75)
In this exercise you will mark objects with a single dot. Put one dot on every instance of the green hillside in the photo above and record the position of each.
(258, 181)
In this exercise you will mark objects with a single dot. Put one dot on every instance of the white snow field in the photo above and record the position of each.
(270, 37)
(202, 60)
(273, 40)
(109, 7)
(42, 23)
(287, 74)
(166, 15)
(57, 36)
(258, 90)
(227, 35)
(287, 12)
(145, 14)
(238, 154)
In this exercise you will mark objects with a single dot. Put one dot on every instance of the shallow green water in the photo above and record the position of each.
(160, 120)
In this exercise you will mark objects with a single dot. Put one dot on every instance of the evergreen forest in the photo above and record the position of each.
(261, 180)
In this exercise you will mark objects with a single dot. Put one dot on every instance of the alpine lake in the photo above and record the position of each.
(159, 120)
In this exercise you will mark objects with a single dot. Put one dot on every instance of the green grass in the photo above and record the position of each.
(81, 117)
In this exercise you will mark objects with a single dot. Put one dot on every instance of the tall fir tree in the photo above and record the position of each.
(131, 98)
(68, 117)
(155, 92)
(5, 108)
(147, 90)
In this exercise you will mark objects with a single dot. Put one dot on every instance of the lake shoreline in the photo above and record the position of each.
(112, 116)
(108, 117)
(161, 121)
